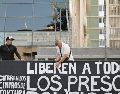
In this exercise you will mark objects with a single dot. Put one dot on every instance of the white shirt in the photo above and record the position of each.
(65, 50)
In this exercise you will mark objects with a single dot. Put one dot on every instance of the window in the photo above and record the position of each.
(101, 8)
(16, 10)
(19, 1)
(43, 10)
(2, 23)
(39, 24)
(118, 10)
(101, 31)
(114, 10)
(45, 1)
(2, 10)
(2, 1)
(101, 20)
(14, 24)
(114, 1)
(33, 14)
(118, 1)
(101, 43)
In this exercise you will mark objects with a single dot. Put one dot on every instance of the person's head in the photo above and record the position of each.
(9, 40)
(58, 43)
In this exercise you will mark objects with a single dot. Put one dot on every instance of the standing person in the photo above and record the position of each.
(63, 53)
(7, 50)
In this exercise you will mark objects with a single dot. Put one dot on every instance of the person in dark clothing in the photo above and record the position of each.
(8, 50)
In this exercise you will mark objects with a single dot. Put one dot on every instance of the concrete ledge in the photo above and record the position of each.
(47, 57)
(80, 53)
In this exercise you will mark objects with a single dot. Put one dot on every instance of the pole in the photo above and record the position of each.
(105, 30)
(55, 27)
(60, 24)
(68, 23)
(32, 31)
(5, 23)
(55, 16)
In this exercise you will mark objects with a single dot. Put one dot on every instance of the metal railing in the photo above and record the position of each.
(36, 38)
(47, 38)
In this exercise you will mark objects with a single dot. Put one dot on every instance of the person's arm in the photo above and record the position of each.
(17, 54)
(65, 55)
(63, 58)
(58, 57)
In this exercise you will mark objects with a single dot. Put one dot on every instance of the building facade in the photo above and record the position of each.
(113, 22)
(96, 24)
(105, 18)
(78, 17)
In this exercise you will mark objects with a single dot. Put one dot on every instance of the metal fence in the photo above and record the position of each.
(36, 38)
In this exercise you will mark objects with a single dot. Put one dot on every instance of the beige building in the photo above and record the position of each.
(113, 23)
(78, 15)
(103, 28)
